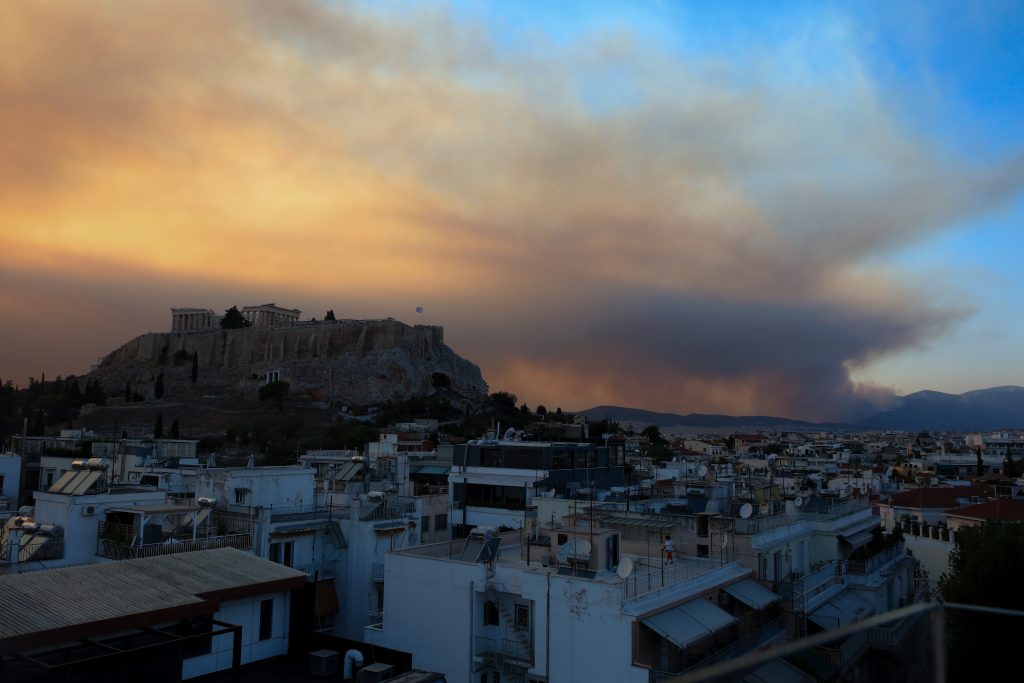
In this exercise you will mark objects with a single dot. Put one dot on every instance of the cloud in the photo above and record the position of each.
(701, 245)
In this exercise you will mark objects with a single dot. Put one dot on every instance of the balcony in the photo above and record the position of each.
(302, 513)
(116, 550)
(651, 578)
(377, 571)
(375, 619)
(802, 590)
(120, 542)
(504, 649)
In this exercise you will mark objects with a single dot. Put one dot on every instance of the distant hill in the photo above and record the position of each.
(622, 414)
(980, 410)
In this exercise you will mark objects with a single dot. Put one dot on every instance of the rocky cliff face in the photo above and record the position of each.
(357, 362)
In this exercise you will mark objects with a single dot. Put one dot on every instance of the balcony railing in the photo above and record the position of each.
(323, 569)
(746, 644)
(834, 511)
(506, 648)
(375, 619)
(301, 513)
(117, 550)
(388, 511)
(873, 563)
(377, 571)
(656, 578)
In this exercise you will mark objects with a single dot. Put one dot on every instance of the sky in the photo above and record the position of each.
(796, 208)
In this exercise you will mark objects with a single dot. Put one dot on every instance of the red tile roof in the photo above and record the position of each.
(937, 498)
(1000, 509)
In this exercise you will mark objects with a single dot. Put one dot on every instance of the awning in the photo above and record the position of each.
(689, 622)
(858, 539)
(326, 598)
(841, 610)
(430, 469)
(714, 618)
(752, 594)
(300, 529)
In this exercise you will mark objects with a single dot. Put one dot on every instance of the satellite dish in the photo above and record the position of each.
(576, 551)
(702, 470)
(625, 568)
(746, 510)
(798, 501)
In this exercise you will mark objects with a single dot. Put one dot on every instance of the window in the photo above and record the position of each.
(703, 551)
(281, 553)
(440, 522)
(425, 525)
(522, 617)
(490, 613)
(273, 376)
(266, 619)
(241, 496)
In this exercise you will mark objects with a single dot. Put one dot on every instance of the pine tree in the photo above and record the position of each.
(175, 430)
(233, 319)
(158, 429)
(329, 315)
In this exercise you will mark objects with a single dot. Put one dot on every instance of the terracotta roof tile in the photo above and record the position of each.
(938, 497)
(1000, 509)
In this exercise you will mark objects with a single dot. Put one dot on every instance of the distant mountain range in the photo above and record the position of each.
(981, 410)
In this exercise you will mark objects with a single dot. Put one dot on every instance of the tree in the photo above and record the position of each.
(440, 380)
(195, 366)
(233, 319)
(542, 410)
(329, 315)
(504, 401)
(275, 391)
(158, 388)
(158, 429)
(985, 567)
(175, 430)
(653, 433)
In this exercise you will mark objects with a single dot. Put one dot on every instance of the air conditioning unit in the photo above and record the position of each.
(89, 510)
(323, 663)
(372, 673)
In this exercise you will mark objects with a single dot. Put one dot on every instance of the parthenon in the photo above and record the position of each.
(193, 319)
(199, 319)
(265, 315)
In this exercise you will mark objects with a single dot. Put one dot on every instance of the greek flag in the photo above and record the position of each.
(419, 309)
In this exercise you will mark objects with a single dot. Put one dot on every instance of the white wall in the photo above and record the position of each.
(245, 613)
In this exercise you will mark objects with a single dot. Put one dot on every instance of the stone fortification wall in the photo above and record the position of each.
(359, 361)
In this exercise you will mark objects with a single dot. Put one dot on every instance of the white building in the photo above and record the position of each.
(540, 611)
(186, 615)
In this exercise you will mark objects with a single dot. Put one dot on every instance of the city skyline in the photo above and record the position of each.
(792, 210)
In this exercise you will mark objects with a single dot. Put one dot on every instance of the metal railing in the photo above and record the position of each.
(321, 569)
(745, 644)
(388, 511)
(377, 571)
(375, 618)
(507, 648)
(873, 563)
(116, 550)
(838, 645)
(301, 513)
(656, 578)
(802, 589)
(834, 511)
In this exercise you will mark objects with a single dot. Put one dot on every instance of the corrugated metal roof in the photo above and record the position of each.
(689, 622)
(51, 599)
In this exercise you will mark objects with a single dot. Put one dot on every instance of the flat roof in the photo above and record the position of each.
(70, 603)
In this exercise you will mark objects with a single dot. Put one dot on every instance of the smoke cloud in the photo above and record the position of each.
(592, 221)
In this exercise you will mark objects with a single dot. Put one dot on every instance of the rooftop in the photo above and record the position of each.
(937, 498)
(56, 605)
(1000, 509)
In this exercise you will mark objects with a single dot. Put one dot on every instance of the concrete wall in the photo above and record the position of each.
(245, 613)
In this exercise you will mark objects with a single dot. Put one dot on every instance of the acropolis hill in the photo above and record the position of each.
(355, 362)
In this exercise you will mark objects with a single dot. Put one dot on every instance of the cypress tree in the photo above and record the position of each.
(195, 366)
(158, 429)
